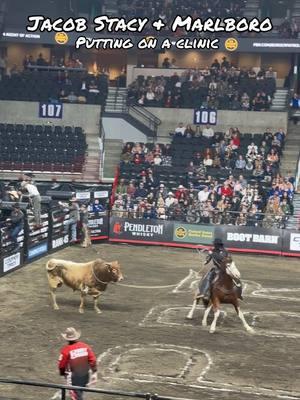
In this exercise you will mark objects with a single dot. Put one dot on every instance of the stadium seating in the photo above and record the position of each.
(43, 85)
(255, 196)
(42, 148)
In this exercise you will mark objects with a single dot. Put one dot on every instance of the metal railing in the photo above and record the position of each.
(297, 173)
(101, 148)
(64, 388)
(145, 117)
(214, 217)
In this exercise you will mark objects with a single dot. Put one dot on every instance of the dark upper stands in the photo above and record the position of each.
(54, 85)
(42, 148)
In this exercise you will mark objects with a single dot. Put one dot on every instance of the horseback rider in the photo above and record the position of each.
(216, 255)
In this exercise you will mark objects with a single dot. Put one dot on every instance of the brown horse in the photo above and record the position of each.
(223, 290)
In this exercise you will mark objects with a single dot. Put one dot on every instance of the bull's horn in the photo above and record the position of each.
(52, 267)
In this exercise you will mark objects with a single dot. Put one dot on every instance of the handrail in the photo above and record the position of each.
(64, 388)
(297, 172)
(150, 122)
(149, 113)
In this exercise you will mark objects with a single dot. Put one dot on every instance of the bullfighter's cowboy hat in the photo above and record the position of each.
(71, 334)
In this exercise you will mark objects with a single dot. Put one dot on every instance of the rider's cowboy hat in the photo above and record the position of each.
(71, 334)
(218, 241)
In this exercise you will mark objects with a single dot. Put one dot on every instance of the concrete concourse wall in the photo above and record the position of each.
(25, 112)
(246, 121)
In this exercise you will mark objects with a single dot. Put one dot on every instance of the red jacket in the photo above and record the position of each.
(228, 192)
(78, 358)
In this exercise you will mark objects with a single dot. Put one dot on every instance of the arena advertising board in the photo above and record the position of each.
(249, 238)
(98, 225)
(11, 262)
(58, 235)
(291, 243)
(191, 233)
(37, 250)
(140, 230)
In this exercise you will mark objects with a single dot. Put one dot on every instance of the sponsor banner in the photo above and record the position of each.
(101, 194)
(250, 238)
(190, 233)
(12, 262)
(149, 230)
(59, 242)
(237, 44)
(83, 195)
(37, 251)
(98, 225)
(291, 243)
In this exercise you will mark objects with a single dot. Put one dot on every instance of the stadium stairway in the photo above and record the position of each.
(280, 99)
(251, 9)
(289, 158)
(116, 100)
(113, 149)
(294, 220)
(92, 164)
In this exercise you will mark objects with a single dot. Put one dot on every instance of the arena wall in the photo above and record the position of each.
(23, 112)
(118, 128)
(246, 121)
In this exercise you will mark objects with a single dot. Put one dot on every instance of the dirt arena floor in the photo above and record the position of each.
(143, 340)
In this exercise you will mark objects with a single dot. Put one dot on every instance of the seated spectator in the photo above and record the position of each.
(189, 132)
(203, 195)
(226, 190)
(93, 88)
(272, 157)
(208, 132)
(245, 102)
(166, 63)
(122, 187)
(157, 160)
(141, 191)
(72, 98)
(97, 207)
(241, 220)
(295, 102)
(180, 130)
(169, 200)
(208, 161)
(240, 163)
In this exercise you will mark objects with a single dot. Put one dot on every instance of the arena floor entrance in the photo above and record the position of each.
(142, 338)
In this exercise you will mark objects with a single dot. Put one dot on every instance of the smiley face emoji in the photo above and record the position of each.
(231, 44)
(61, 38)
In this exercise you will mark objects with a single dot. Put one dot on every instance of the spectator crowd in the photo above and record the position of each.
(221, 86)
(234, 179)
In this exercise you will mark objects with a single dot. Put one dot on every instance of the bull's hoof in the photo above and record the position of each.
(212, 331)
(56, 308)
(204, 323)
(81, 311)
(251, 330)
(98, 311)
(188, 317)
